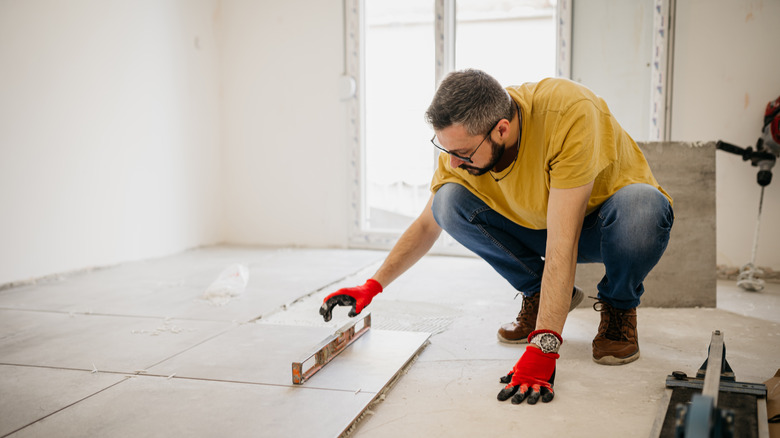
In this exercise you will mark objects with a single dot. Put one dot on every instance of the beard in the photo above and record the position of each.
(497, 151)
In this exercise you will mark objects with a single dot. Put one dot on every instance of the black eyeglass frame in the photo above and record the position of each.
(462, 158)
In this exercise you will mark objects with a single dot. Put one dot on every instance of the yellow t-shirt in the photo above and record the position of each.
(569, 138)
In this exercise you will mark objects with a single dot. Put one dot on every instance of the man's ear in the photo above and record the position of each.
(503, 128)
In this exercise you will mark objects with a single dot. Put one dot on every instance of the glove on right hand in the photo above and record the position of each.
(357, 297)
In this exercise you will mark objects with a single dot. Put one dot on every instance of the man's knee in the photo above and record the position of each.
(446, 204)
(643, 217)
(652, 207)
(643, 203)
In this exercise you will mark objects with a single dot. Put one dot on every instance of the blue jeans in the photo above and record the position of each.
(628, 234)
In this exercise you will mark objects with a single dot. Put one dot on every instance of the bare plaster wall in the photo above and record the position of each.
(131, 130)
(724, 75)
(284, 126)
(109, 132)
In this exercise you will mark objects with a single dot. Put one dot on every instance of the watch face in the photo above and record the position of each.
(547, 342)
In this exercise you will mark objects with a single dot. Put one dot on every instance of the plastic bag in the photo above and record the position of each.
(231, 282)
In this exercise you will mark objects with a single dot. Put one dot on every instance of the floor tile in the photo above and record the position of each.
(218, 383)
(146, 406)
(264, 353)
(107, 343)
(251, 353)
(32, 393)
(371, 362)
(173, 287)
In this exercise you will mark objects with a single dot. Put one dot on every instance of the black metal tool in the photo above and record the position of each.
(712, 404)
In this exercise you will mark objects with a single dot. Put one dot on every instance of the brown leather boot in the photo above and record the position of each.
(617, 341)
(517, 332)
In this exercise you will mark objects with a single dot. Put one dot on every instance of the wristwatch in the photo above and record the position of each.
(547, 342)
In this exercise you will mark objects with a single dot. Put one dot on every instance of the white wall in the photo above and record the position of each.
(109, 132)
(726, 69)
(135, 129)
(611, 54)
(725, 72)
(285, 128)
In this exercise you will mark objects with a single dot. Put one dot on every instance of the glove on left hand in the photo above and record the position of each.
(531, 378)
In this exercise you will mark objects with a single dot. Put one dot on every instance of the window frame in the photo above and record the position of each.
(358, 234)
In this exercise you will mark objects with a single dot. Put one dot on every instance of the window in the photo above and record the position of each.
(397, 50)
(399, 84)
(514, 41)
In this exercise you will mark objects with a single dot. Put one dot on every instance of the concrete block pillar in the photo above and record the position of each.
(686, 274)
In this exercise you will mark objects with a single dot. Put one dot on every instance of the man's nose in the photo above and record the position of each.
(455, 161)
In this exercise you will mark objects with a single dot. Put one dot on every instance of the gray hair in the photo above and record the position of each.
(471, 98)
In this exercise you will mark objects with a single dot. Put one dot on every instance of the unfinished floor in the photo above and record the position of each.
(133, 350)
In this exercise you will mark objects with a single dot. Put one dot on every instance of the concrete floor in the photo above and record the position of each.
(52, 343)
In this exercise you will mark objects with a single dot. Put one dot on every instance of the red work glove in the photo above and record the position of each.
(531, 378)
(357, 297)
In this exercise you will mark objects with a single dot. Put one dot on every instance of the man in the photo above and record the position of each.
(534, 179)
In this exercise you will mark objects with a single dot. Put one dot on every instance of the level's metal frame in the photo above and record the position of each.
(326, 350)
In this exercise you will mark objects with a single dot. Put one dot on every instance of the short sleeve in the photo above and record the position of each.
(574, 152)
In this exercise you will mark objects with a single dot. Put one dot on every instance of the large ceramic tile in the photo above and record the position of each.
(462, 315)
(108, 343)
(277, 277)
(32, 393)
(420, 300)
(264, 353)
(455, 281)
(371, 362)
(253, 353)
(173, 286)
(449, 391)
(160, 407)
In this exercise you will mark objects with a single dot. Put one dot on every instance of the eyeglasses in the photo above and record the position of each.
(435, 143)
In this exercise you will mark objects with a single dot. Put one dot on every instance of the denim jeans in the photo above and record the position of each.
(628, 233)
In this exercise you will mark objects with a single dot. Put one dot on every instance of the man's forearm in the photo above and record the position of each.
(557, 286)
(414, 243)
(565, 214)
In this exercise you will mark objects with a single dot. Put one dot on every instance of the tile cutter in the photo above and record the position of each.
(713, 404)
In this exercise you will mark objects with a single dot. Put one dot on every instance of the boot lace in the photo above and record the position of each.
(617, 326)
(527, 315)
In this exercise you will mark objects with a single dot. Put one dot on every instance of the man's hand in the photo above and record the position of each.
(532, 377)
(357, 297)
